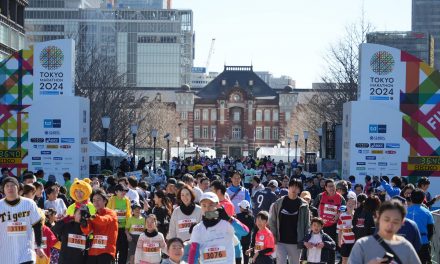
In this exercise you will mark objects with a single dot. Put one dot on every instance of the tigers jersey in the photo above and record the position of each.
(16, 233)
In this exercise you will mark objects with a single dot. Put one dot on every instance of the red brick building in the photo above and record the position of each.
(235, 113)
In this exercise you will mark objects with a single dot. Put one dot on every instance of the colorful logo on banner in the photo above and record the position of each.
(51, 57)
(16, 95)
(382, 63)
(420, 104)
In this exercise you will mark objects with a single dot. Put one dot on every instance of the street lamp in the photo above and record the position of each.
(295, 138)
(154, 133)
(178, 149)
(288, 150)
(191, 144)
(134, 130)
(320, 132)
(215, 142)
(306, 136)
(167, 137)
(105, 124)
(185, 142)
(279, 145)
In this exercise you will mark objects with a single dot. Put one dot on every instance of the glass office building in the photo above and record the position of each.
(12, 36)
(153, 47)
(418, 44)
(426, 18)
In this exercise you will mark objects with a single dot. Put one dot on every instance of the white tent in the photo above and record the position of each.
(278, 153)
(190, 152)
(97, 149)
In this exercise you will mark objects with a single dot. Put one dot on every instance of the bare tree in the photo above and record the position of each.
(341, 79)
(98, 78)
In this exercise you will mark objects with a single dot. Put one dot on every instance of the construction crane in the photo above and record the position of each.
(211, 50)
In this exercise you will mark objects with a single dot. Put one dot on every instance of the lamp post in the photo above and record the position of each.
(306, 136)
(134, 130)
(288, 156)
(215, 142)
(185, 142)
(167, 137)
(178, 149)
(320, 132)
(154, 133)
(295, 138)
(105, 125)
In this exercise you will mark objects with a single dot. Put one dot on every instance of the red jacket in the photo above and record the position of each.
(104, 226)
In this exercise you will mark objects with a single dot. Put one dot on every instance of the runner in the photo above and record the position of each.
(20, 226)
(289, 222)
(185, 215)
(237, 193)
(212, 239)
(385, 246)
(262, 200)
(104, 225)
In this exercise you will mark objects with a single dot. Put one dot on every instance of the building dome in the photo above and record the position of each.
(288, 89)
(185, 88)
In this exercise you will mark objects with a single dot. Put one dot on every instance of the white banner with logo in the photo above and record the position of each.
(54, 65)
(382, 74)
(59, 136)
(372, 140)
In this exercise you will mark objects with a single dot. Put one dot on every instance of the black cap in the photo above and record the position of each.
(120, 187)
(10, 179)
(172, 181)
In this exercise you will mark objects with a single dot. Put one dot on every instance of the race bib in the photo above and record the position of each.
(121, 214)
(151, 249)
(16, 228)
(185, 224)
(213, 254)
(76, 241)
(259, 245)
(137, 229)
(330, 209)
(100, 242)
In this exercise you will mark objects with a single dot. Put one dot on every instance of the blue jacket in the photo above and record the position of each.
(410, 231)
(392, 191)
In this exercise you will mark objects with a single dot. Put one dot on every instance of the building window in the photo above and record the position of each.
(213, 114)
(259, 133)
(259, 115)
(183, 115)
(196, 132)
(205, 133)
(236, 132)
(205, 114)
(275, 133)
(287, 117)
(185, 132)
(197, 114)
(236, 115)
(213, 132)
(275, 115)
(267, 133)
(267, 115)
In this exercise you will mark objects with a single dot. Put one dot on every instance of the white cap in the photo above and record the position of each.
(244, 204)
(273, 183)
(209, 196)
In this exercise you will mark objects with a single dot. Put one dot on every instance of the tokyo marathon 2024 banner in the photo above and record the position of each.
(408, 85)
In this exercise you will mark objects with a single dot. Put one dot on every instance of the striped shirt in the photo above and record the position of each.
(16, 233)
(345, 226)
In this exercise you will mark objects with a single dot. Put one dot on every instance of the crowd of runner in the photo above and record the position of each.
(202, 210)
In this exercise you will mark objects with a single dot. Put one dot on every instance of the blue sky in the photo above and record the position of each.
(285, 37)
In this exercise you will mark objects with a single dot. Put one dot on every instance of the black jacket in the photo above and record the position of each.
(329, 246)
(68, 255)
(248, 220)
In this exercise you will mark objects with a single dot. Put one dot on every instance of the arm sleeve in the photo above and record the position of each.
(417, 242)
(248, 198)
(51, 239)
(240, 229)
(273, 221)
(329, 243)
(172, 228)
(317, 201)
(431, 202)
(194, 253)
(38, 233)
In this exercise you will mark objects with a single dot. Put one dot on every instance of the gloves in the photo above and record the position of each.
(85, 215)
(222, 214)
